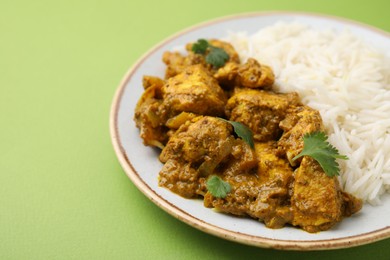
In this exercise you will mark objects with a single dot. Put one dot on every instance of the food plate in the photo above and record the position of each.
(142, 166)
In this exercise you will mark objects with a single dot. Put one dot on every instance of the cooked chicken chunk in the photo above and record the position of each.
(317, 201)
(249, 75)
(242, 160)
(193, 90)
(194, 152)
(261, 111)
(262, 194)
(180, 119)
(233, 55)
(227, 74)
(151, 81)
(177, 63)
(254, 75)
(299, 121)
(147, 117)
(199, 140)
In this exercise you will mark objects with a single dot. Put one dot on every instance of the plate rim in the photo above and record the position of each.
(173, 210)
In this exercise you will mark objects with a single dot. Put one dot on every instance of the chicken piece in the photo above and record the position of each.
(227, 74)
(317, 201)
(233, 55)
(245, 190)
(147, 117)
(249, 75)
(193, 153)
(152, 81)
(179, 177)
(254, 75)
(351, 204)
(194, 91)
(263, 194)
(299, 121)
(261, 111)
(180, 119)
(242, 159)
(177, 63)
(277, 174)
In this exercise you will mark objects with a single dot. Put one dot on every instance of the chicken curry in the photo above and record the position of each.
(181, 115)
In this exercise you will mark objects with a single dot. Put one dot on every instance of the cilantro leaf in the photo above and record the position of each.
(214, 55)
(200, 46)
(317, 147)
(242, 131)
(217, 57)
(217, 187)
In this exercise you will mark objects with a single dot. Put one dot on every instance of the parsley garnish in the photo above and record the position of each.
(316, 146)
(242, 131)
(216, 56)
(200, 46)
(217, 187)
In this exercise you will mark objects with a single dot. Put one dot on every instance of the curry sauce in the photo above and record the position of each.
(181, 115)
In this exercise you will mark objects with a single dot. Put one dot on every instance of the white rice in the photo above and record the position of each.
(344, 78)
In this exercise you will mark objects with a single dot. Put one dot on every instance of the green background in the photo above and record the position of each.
(63, 194)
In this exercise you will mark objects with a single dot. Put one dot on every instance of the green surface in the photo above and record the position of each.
(63, 194)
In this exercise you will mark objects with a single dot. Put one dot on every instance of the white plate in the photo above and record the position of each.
(142, 166)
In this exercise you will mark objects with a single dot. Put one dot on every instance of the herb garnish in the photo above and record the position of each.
(214, 55)
(317, 147)
(217, 187)
(242, 131)
(200, 46)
